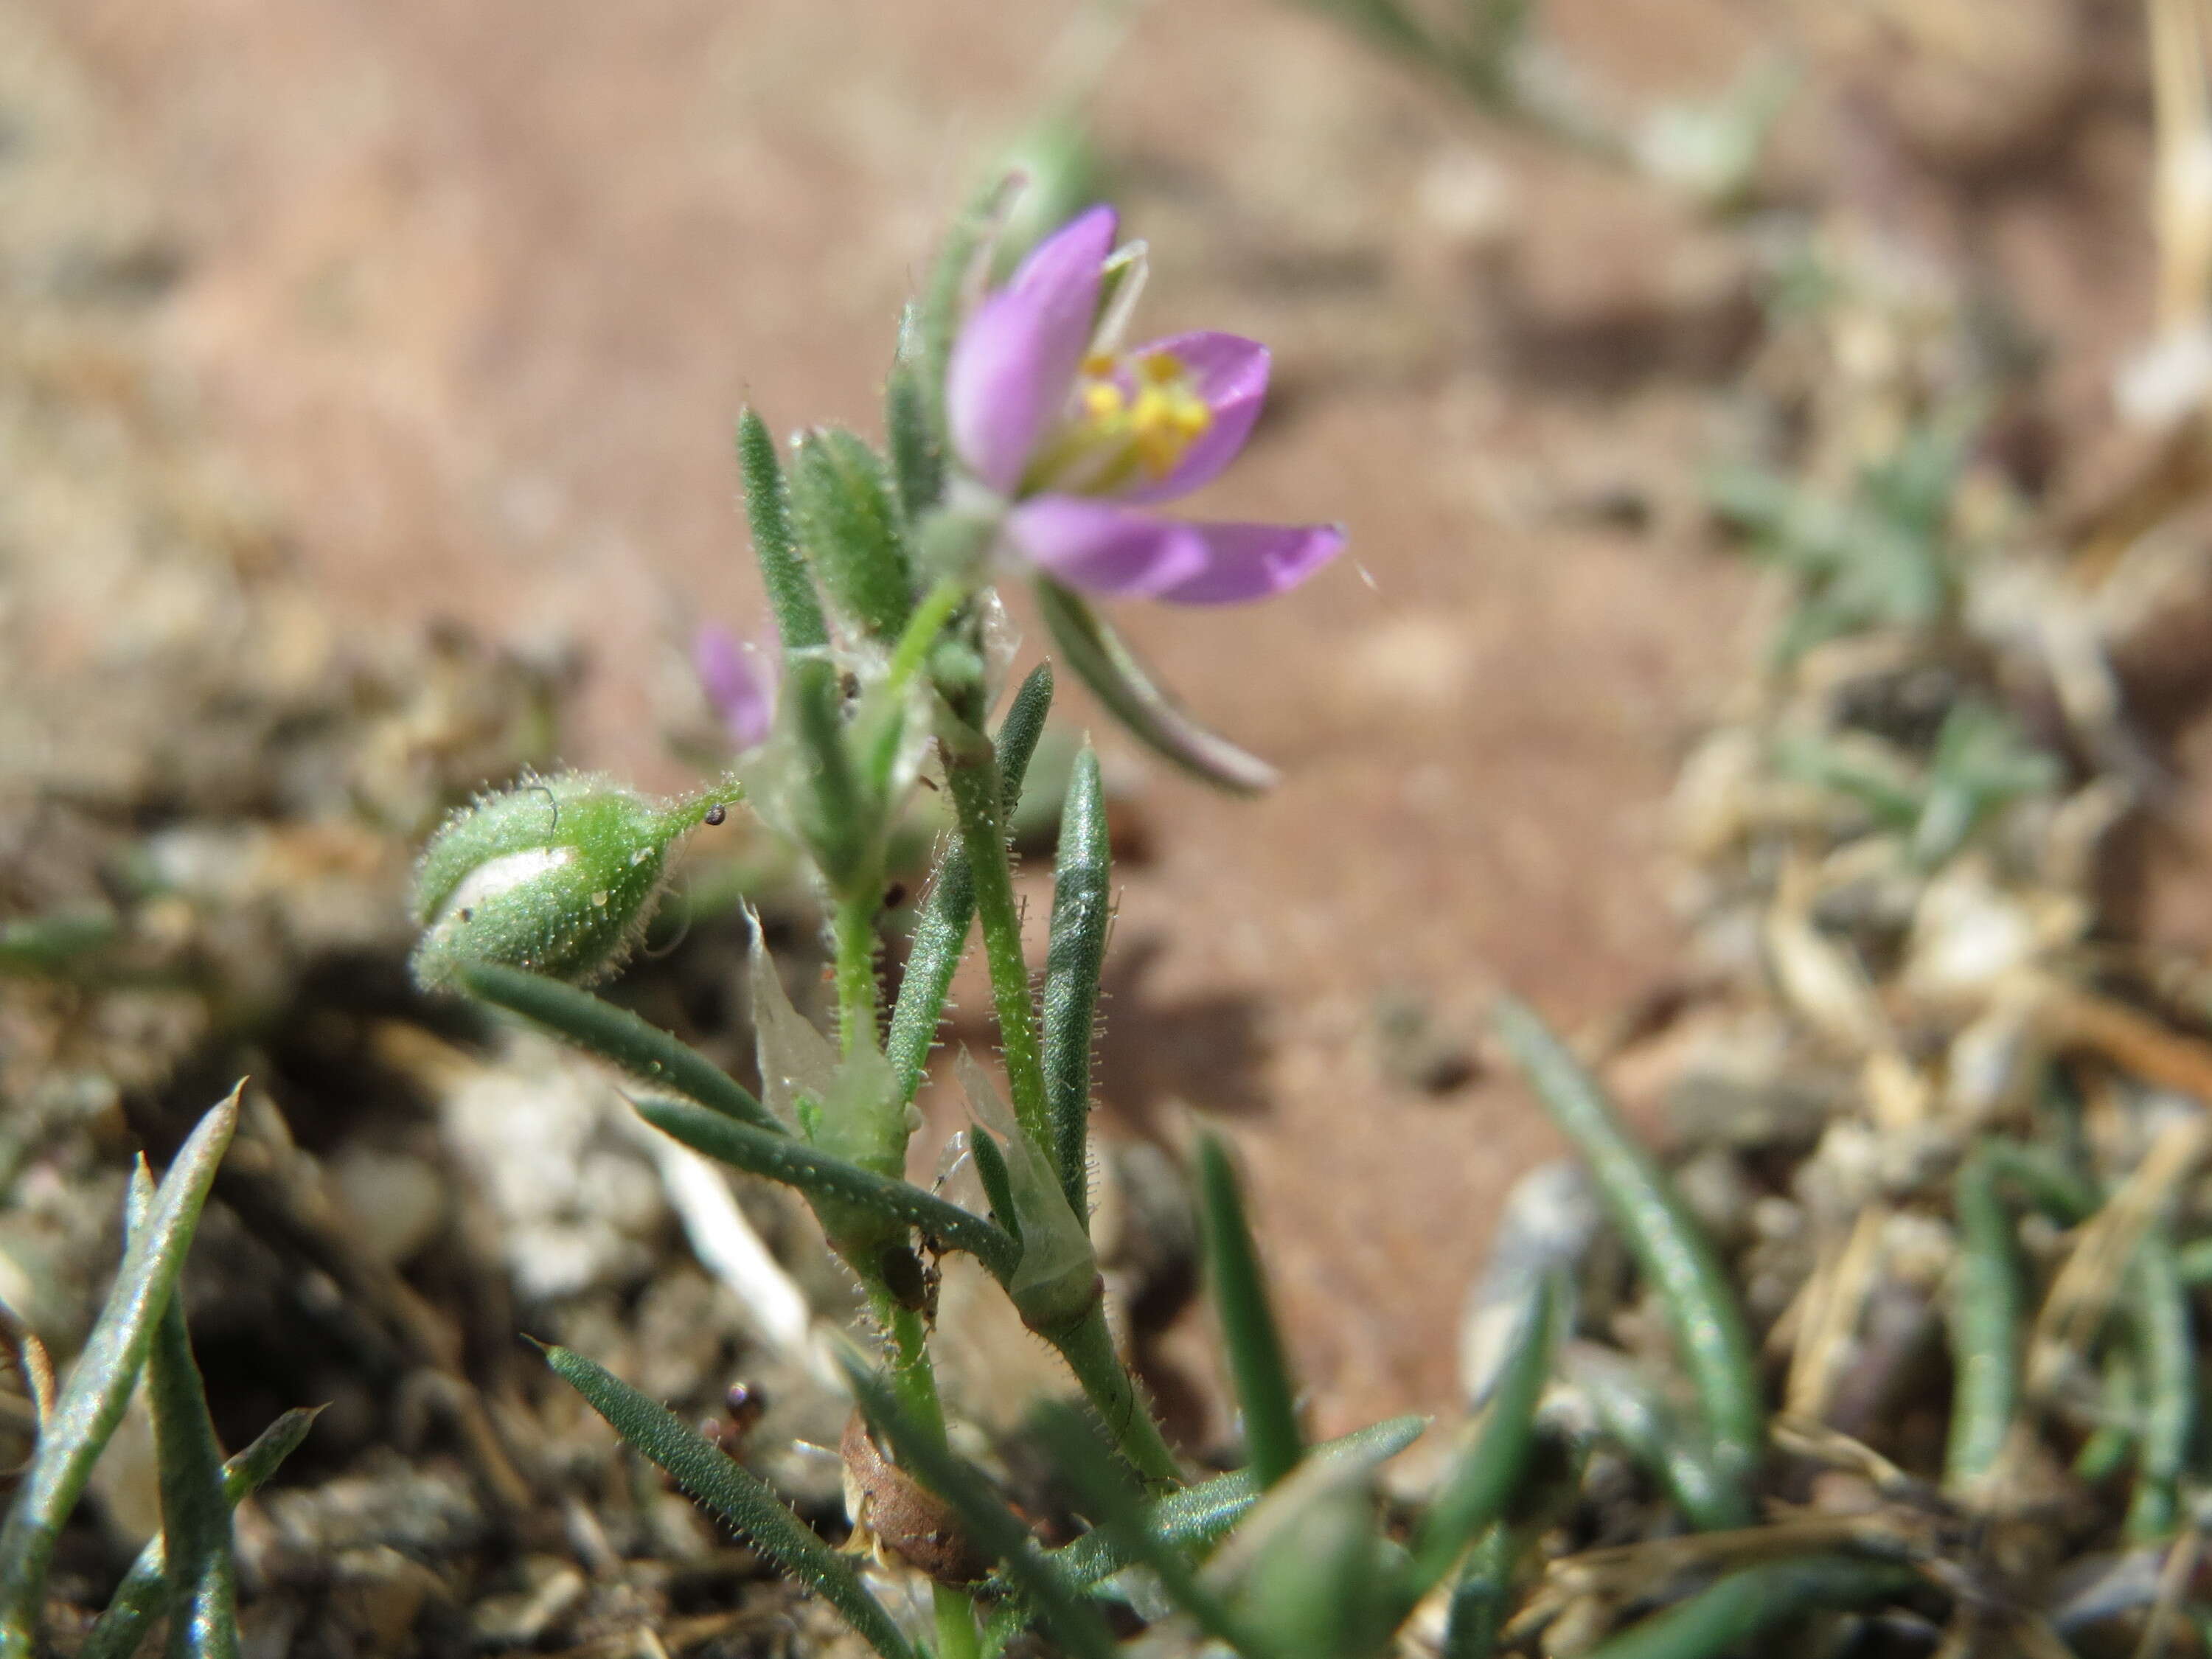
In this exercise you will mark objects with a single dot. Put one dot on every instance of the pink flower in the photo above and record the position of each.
(1080, 437)
(739, 681)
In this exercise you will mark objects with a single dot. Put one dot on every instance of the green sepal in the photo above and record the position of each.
(1105, 663)
(849, 524)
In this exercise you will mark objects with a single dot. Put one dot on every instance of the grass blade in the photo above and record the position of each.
(817, 1174)
(1482, 1483)
(146, 1592)
(1075, 958)
(940, 935)
(1986, 1327)
(790, 586)
(195, 1512)
(1247, 1323)
(2168, 1359)
(1669, 1246)
(1197, 1516)
(1746, 1603)
(103, 1379)
(742, 1500)
(100, 1385)
(1118, 1513)
(1477, 1610)
(616, 1035)
(993, 1527)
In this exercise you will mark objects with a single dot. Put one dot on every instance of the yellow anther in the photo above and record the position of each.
(1101, 400)
(1161, 367)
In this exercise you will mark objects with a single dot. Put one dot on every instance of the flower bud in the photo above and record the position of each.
(558, 876)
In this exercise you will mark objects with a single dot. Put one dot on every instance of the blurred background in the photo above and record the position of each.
(370, 372)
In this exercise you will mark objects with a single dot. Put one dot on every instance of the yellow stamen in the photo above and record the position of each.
(1113, 434)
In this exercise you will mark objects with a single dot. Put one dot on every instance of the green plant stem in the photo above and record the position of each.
(854, 925)
(1088, 1348)
(914, 1377)
(1754, 1600)
(974, 786)
(956, 1636)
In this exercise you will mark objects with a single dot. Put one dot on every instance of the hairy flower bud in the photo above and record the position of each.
(558, 876)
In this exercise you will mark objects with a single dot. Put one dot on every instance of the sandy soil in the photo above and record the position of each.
(475, 293)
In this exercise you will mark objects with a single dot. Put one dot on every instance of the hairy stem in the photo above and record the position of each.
(974, 785)
(1088, 1348)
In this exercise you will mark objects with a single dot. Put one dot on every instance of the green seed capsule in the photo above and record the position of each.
(558, 876)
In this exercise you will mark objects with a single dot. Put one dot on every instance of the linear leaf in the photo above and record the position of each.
(1197, 1516)
(616, 1035)
(146, 1592)
(991, 1525)
(741, 1497)
(1482, 1483)
(1668, 1245)
(1075, 958)
(940, 934)
(790, 586)
(195, 1513)
(1247, 1323)
(817, 1174)
(100, 1386)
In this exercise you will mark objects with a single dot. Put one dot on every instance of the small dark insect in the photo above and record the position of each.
(717, 813)
(467, 915)
(905, 1278)
(894, 895)
(747, 1403)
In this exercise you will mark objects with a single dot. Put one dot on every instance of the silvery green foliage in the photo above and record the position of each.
(557, 875)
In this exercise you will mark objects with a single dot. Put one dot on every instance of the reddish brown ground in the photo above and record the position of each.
(475, 290)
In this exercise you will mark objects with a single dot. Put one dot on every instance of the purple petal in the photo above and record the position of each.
(1231, 373)
(1015, 361)
(1254, 561)
(739, 692)
(1103, 548)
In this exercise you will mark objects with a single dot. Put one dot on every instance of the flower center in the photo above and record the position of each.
(1131, 417)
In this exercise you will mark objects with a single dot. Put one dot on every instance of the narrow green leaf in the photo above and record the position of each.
(940, 934)
(998, 1182)
(841, 503)
(743, 1500)
(1197, 1516)
(1669, 1247)
(1480, 1486)
(1985, 1316)
(100, 1386)
(926, 340)
(917, 460)
(790, 587)
(817, 1174)
(993, 1527)
(1247, 1323)
(2167, 1354)
(145, 1593)
(1753, 1600)
(55, 944)
(829, 806)
(195, 1512)
(1118, 1513)
(1075, 958)
(616, 1035)
(1111, 669)
(1477, 1610)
